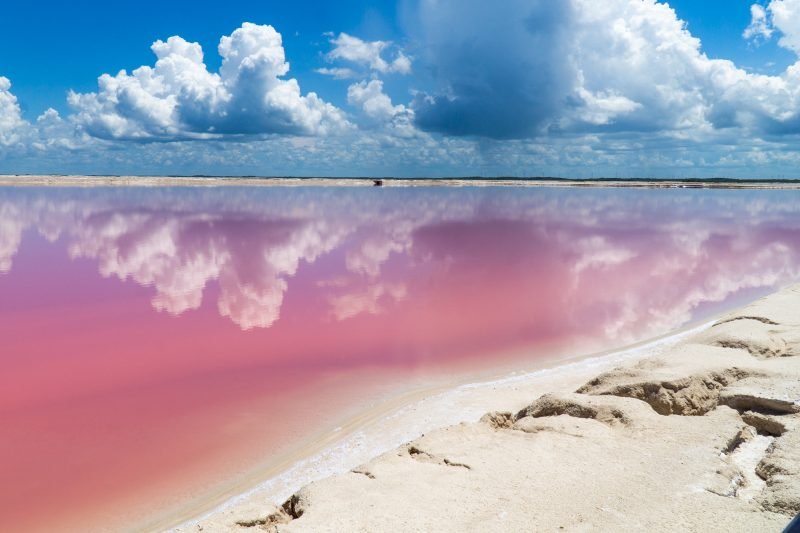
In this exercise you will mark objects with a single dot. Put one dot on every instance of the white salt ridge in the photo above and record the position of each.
(746, 457)
(464, 403)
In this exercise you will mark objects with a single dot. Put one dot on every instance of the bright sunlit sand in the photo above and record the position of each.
(708, 416)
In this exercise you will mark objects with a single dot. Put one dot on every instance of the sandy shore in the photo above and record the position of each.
(239, 181)
(699, 431)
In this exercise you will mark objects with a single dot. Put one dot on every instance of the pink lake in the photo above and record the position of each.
(158, 344)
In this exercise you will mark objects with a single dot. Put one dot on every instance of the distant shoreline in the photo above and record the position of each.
(216, 181)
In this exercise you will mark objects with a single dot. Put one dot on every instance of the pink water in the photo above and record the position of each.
(156, 344)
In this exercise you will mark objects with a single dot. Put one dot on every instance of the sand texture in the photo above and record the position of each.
(702, 437)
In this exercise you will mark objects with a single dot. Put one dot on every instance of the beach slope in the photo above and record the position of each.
(702, 437)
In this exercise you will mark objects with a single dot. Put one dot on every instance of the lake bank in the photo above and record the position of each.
(726, 457)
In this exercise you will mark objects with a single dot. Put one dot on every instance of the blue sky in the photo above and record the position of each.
(407, 87)
(720, 23)
(69, 44)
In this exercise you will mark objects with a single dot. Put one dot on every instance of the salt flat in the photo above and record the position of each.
(704, 436)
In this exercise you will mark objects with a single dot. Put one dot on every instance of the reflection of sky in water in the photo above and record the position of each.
(285, 284)
(621, 263)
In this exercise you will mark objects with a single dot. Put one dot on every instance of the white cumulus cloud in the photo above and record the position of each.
(760, 26)
(369, 96)
(378, 110)
(180, 98)
(575, 87)
(367, 54)
(532, 69)
(786, 19)
(781, 16)
(11, 123)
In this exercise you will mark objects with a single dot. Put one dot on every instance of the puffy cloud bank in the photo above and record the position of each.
(11, 123)
(532, 68)
(520, 87)
(179, 98)
(377, 110)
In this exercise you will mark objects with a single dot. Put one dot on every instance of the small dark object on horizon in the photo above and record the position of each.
(377, 183)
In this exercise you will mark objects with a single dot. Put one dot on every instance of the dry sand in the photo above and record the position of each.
(700, 434)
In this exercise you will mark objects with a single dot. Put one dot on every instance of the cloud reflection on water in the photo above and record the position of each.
(618, 265)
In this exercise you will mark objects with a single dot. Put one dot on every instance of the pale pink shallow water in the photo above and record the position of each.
(155, 344)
